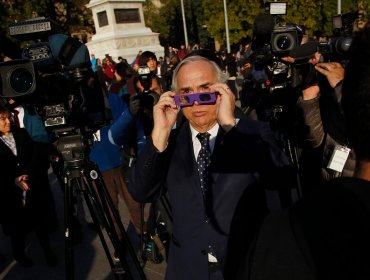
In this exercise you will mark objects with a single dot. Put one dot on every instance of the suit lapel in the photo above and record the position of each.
(216, 152)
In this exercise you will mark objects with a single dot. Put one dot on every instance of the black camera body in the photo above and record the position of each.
(147, 97)
(145, 77)
(337, 48)
(55, 75)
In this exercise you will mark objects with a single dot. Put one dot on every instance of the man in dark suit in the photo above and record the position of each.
(205, 179)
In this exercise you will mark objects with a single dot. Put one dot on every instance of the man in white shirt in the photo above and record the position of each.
(207, 163)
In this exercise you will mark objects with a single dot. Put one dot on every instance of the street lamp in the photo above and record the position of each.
(339, 7)
(184, 23)
(227, 28)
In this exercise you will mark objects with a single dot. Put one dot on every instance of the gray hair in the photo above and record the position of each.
(221, 76)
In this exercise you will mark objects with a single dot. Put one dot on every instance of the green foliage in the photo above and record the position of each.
(311, 15)
(240, 13)
(204, 18)
(70, 15)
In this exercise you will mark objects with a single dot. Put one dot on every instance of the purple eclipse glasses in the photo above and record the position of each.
(184, 100)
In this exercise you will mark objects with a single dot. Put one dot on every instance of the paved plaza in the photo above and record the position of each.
(89, 257)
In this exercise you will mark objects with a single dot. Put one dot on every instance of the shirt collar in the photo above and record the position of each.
(213, 131)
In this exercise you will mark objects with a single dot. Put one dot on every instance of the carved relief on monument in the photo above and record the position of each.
(131, 42)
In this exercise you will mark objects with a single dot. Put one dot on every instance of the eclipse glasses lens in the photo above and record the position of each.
(183, 100)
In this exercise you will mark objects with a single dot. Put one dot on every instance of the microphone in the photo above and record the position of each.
(263, 26)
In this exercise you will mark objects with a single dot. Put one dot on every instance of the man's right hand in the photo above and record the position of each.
(164, 115)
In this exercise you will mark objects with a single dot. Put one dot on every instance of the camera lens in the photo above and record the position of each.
(343, 45)
(283, 42)
(21, 80)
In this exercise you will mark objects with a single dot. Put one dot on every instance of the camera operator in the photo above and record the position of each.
(323, 129)
(326, 235)
(111, 163)
(148, 59)
(127, 134)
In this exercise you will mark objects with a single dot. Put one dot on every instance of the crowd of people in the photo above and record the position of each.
(215, 162)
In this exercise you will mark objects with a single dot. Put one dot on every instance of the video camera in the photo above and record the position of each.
(337, 47)
(55, 74)
(147, 97)
(271, 90)
(273, 40)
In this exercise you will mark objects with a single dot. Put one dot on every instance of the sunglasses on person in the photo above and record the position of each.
(184, 100)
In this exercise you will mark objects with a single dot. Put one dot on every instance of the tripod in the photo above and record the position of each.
(85, 175)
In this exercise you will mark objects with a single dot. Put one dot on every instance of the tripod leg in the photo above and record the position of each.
(122, 245)
(68, 204)
(97, 216)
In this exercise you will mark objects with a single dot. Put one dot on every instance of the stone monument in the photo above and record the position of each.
(120, 30)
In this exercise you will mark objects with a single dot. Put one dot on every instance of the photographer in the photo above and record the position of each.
(111, 163)
(326, 234)
(150, 82)
(323, 129)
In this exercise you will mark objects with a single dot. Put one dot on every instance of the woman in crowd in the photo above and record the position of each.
(25, 205)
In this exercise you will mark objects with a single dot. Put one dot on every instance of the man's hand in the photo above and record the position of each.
(226, 106)
(164, 115)
(333, 71)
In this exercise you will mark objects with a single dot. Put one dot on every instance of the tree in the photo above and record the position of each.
(70, 15)
(167, 20)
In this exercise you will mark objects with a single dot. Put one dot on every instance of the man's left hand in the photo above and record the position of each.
(226, 106)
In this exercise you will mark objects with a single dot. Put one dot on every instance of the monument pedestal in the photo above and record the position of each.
(120, 30)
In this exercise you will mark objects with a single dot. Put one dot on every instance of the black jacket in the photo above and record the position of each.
(39, 210)
(241, 158)
(324, 236)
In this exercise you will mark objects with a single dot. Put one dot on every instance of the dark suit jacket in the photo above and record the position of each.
(239, 159)
(324, 236)
(39, 202)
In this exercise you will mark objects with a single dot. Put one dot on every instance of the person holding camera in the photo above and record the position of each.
(207, 163)
(322, 131)
(145, 84)
(114, 165)
(326, 234)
